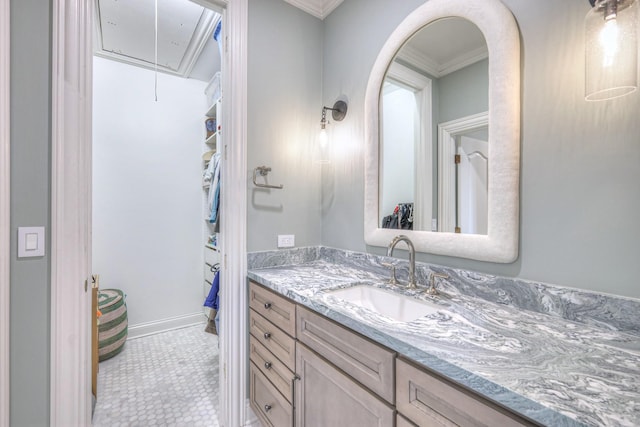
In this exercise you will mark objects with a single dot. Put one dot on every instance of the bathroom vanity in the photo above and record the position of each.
(493, 351)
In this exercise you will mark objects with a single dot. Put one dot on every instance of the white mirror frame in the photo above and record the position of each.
(500, 30)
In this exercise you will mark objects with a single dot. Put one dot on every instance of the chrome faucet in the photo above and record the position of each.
(432, 282)
(412, 258)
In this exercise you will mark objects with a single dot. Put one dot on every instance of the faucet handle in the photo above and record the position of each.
(431, 290)
(393, 280)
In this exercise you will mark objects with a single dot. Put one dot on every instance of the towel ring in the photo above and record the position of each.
(264, 171)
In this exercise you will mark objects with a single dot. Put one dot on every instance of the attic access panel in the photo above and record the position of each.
(126, 31)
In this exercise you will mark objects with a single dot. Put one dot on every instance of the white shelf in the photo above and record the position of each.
(213, 110)
(212, 140)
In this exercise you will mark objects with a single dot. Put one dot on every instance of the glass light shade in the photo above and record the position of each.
(322, 154)
(611, 51)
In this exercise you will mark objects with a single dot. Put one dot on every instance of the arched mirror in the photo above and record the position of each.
(442, 132)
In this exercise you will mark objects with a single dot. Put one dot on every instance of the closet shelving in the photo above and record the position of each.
(209, 148)
(212, 113)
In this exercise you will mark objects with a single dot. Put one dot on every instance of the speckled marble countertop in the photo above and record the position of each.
(560, 356)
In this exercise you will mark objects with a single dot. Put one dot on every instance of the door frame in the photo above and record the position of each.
(447, 133)
(423, 87)
(70, 403)
(5, 211)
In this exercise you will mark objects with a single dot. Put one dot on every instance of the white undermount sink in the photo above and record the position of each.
(391, 304)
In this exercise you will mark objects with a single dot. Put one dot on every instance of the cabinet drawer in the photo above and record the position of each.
(276, 341)
(327, 397)
(365, 361)
(280, 311)
(430, 401)
(272, 409)
(279, 375)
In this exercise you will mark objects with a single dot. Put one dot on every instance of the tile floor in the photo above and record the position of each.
(166, 379)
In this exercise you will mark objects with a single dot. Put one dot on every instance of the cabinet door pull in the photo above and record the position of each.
(267, 365)
(267, 305)
(267, 335)
(267, 408)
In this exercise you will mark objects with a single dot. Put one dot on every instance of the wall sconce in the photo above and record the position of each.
(338, 112)
(611, 51)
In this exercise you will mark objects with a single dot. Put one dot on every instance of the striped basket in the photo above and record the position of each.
(112, 332)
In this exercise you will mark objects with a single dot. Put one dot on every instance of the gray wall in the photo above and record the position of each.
(285, 65)
(579, 175)
(463, 92)
(30, 188)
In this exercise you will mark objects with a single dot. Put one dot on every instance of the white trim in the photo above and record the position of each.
(318, 8)
(70, 403)
(437, 70)
(501, 33)
(422, 85)
(446, 168)
(233, 234)
(164, 325)
(5, 211)
(71, 175)
(423, 209)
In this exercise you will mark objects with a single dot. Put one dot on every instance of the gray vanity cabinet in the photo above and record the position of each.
(272, 356)
(306, 370)
(429, 401)
(326, 396)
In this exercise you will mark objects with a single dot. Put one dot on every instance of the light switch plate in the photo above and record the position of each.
(286, 240)
(30, 242)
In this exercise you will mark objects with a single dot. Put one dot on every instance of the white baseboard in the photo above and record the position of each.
(163, 325)
(251, 420)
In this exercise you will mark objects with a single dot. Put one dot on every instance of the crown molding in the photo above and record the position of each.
(417, 59)
(318, 8)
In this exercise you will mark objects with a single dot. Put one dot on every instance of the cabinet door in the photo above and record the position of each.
(327, 397)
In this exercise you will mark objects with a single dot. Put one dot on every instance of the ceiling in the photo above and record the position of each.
(445, 46)
(125, 31)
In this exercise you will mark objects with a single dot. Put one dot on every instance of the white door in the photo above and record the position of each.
(472, 185)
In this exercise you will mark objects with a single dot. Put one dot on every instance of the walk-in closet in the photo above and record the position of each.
(157, 105)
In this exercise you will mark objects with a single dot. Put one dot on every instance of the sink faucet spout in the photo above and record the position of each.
(412, 257)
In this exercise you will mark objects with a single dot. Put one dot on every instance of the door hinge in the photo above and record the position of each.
(86, 285)
(456, 159)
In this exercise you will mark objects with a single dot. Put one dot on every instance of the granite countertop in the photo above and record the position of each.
(559, 356)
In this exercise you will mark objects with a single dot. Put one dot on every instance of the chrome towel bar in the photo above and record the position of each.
(263, 171)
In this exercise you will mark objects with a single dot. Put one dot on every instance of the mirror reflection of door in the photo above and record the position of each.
(472, 185)
(439, 77)
(406, 148)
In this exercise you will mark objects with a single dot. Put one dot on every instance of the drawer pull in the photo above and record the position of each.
(267, 305)
(267, 365)
(267, 408)
(267, 335)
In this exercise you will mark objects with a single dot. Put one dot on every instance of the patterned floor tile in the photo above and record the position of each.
(168, 379)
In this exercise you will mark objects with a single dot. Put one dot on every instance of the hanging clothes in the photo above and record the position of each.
(401, 218)
(214, 190)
